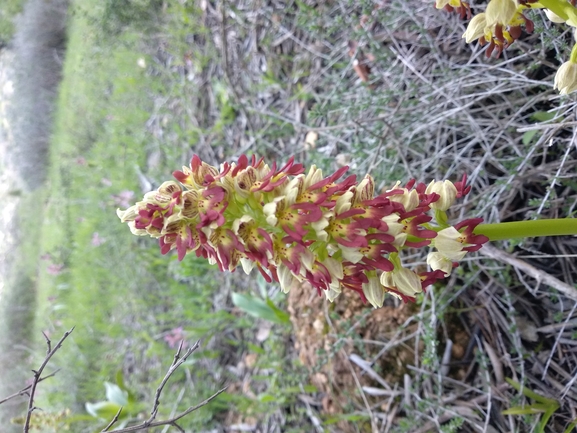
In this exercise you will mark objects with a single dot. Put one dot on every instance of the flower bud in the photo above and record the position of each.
(447, 192)
(403, 280)
(566, 78)
(374, 292)
(408, 198)
(407, 282)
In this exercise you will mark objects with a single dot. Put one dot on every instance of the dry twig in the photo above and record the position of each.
(539, 275)
(38, 373)
(447, 416)
(150, 422)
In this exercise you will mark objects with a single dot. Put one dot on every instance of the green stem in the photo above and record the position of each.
(573, 57)
(562, 9)
(528, 229)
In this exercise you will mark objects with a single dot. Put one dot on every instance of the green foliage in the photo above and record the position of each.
(261, 309)
(275, 383)
(119, 400)
(111, 283)
(542, 117)
(8, 11)
(545, 406)
(126, 299)
(453, 426)
(120, 15)
(571, 427)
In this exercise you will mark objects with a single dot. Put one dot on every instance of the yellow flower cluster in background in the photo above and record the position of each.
(503, 21)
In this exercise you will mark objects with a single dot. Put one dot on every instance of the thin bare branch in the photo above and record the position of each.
(539, 275)
(114, 420)
(176, 362)
(38, 373)
(448, 415)
(150, 422)
(172, 421)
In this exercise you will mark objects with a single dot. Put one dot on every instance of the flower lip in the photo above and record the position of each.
(566, 78)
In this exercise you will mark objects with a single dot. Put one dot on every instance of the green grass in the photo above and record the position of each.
(19, 306)
(9, 10)
(122, 296)
(119, 290)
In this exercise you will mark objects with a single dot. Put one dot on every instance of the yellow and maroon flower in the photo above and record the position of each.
(461, 7)
(499, 26)
(293, 227)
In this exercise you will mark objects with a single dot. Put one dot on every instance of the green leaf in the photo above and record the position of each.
(298, 389)
(543, 116)
(256, 349)
(105, 410)
(282, 315)
(532, 395)
(267, 398)
(115, 394)
(545, 418)
(256, 307)
(528, 136)
(351, 417)
(570, 427)
(527, 410)
(120, 382)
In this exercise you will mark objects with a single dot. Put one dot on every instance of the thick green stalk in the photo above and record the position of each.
(528, 229)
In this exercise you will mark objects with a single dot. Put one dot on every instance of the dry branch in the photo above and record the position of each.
(447, 416)
(38, 373)
(540, 276)
(150, 422)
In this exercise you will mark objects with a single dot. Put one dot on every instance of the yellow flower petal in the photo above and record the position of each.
(476, 28)
(500, 12)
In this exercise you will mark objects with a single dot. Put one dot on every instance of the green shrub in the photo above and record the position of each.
(138, 14)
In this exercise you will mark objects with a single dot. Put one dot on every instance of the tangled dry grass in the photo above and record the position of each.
(390, 88)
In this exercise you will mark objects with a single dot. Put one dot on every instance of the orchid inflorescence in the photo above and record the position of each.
(333, 232)
(503, 21)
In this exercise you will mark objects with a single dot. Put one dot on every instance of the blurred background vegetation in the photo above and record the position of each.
(110, 97)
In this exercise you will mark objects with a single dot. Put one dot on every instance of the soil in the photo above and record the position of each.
(329, 338)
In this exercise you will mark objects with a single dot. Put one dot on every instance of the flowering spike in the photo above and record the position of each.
(295, 227)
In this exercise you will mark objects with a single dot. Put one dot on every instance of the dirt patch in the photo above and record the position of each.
(336, 341)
